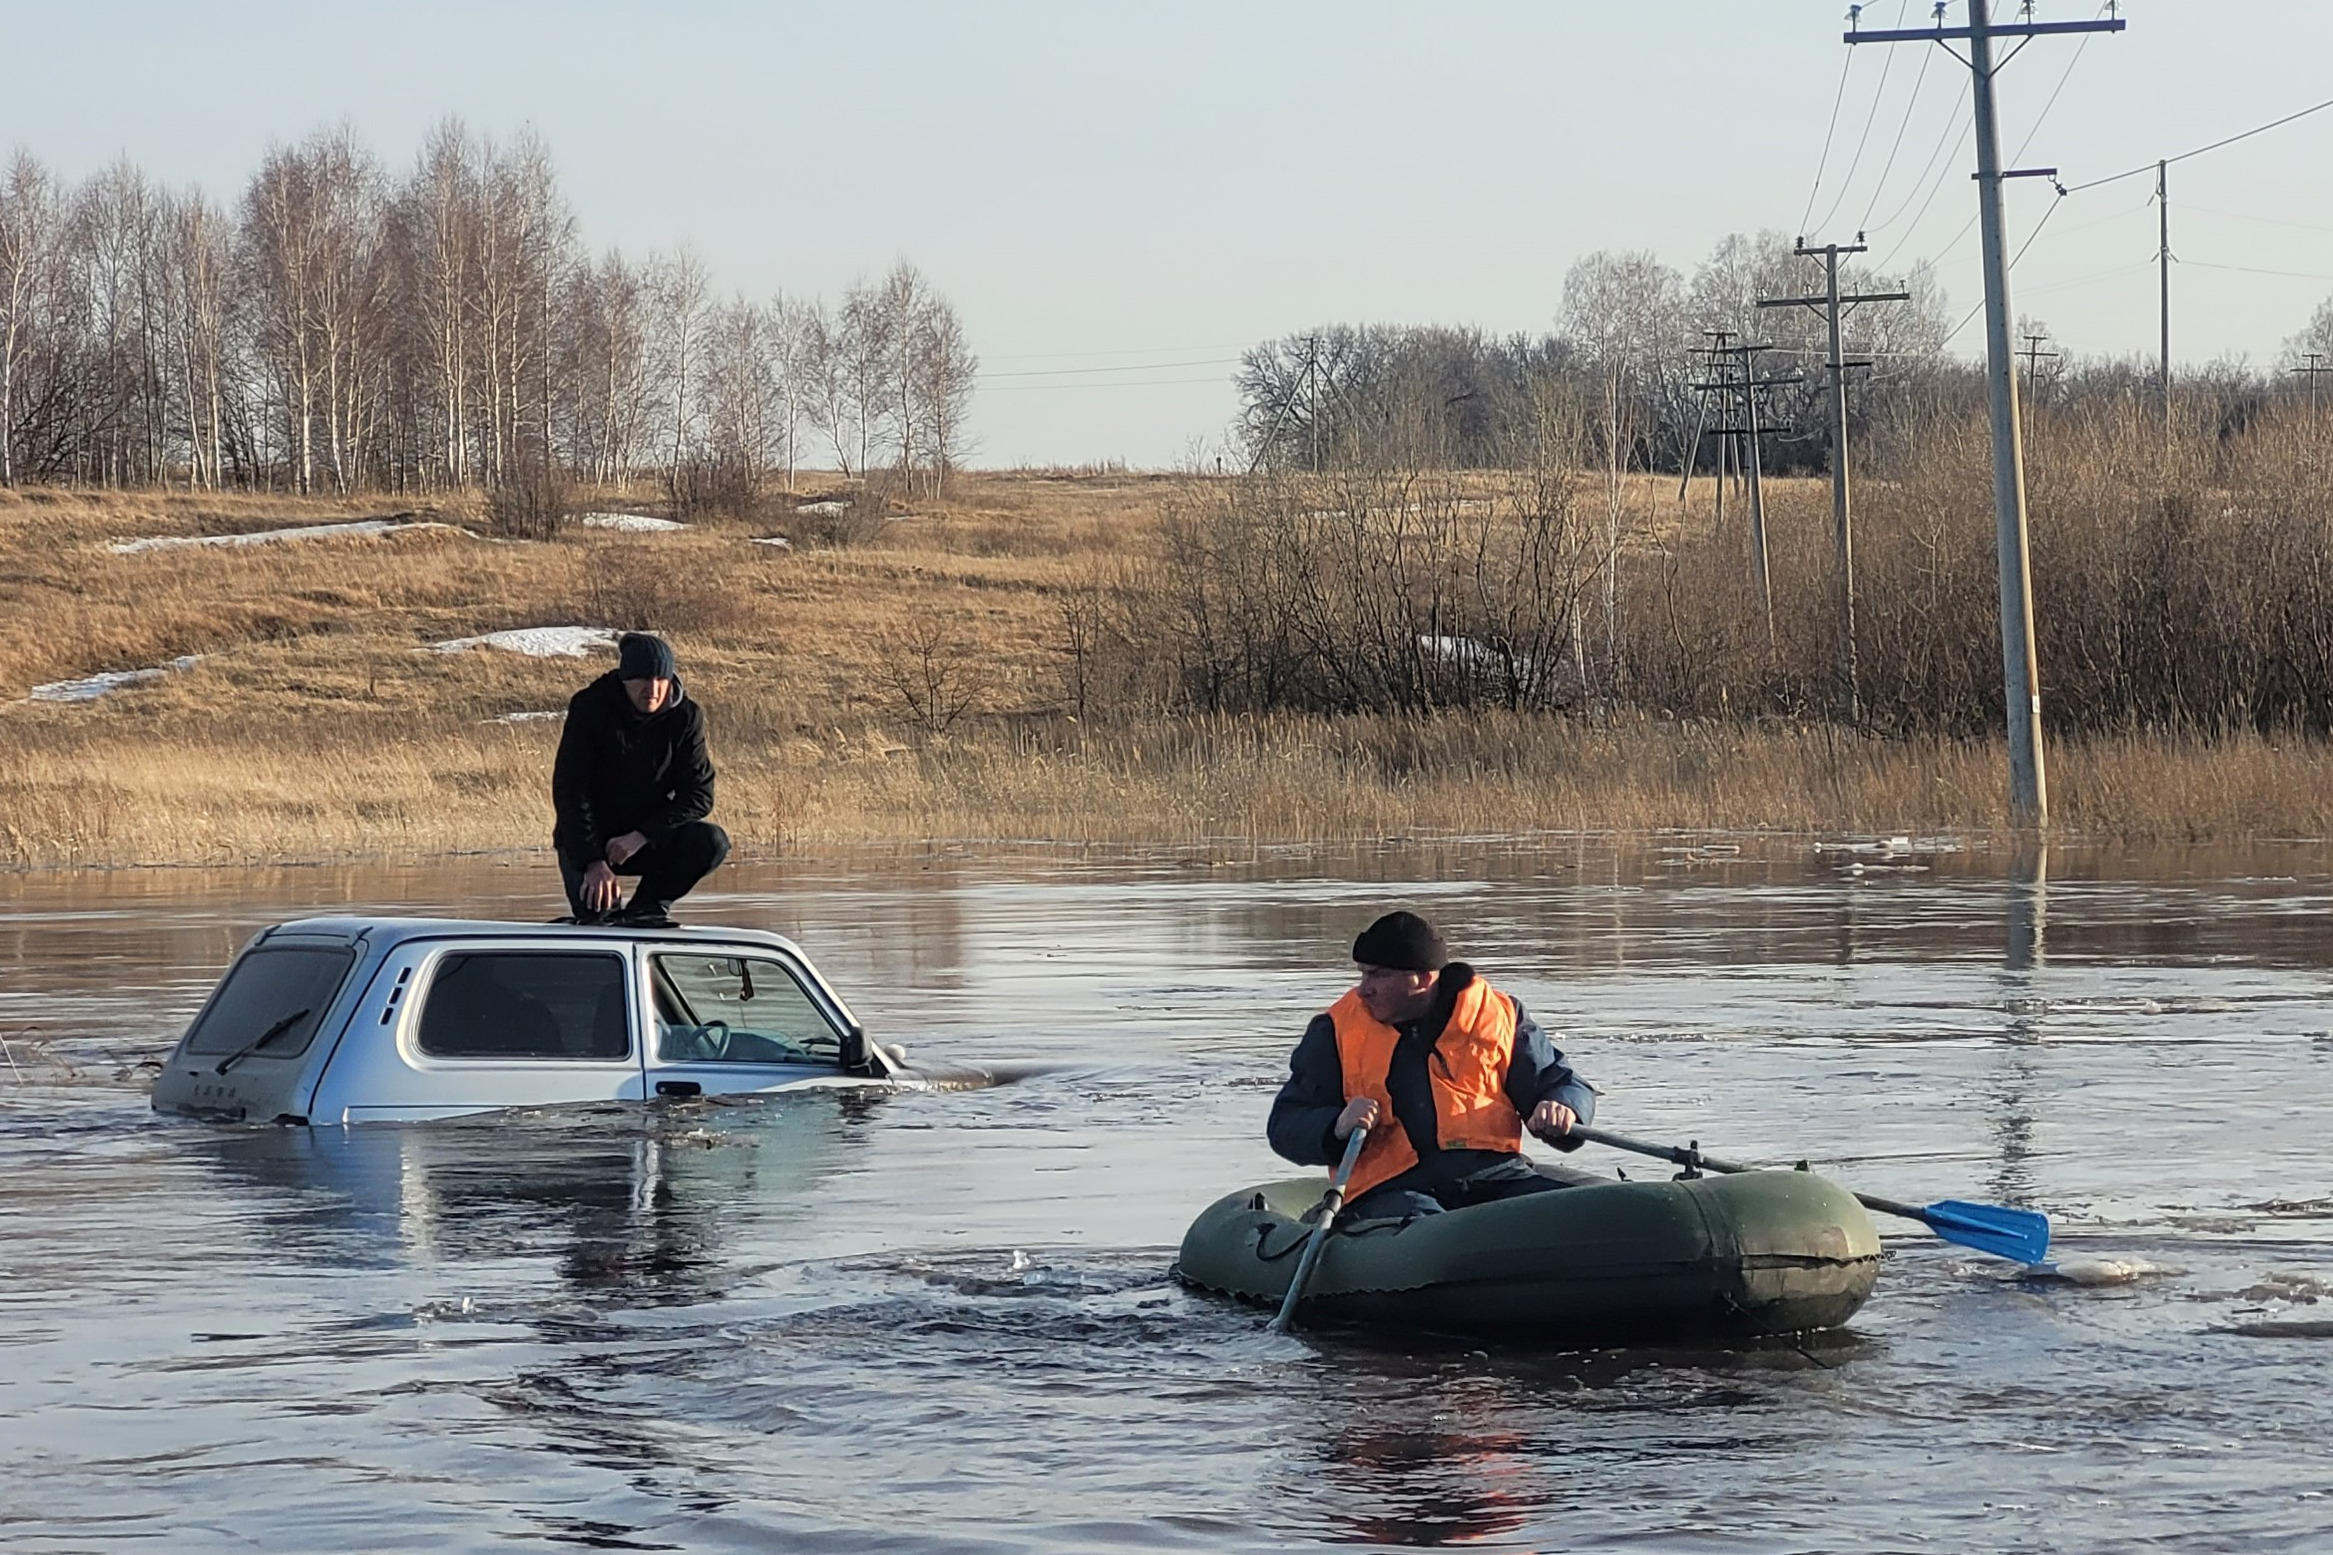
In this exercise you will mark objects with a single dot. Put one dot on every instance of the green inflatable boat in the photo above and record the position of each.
(1600, 1263)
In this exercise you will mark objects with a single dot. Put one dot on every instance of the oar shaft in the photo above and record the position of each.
(1334, 1202)
(1683, 1156)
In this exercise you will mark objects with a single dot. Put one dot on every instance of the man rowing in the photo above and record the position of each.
(1442, 1069)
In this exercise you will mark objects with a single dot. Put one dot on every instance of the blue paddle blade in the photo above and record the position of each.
(2006, 1233)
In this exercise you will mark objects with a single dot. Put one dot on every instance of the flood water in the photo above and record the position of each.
(943, 1321)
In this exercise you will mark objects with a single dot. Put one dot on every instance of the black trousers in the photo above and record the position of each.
(1399, 1199)
(668, 870)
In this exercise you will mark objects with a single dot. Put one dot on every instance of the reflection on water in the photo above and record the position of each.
(943, 1320)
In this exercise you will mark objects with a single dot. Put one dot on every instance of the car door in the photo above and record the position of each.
(726, 1020)
(471, 1025)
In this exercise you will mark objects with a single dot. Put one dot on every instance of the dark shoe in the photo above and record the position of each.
(585, 920)
(647, 919)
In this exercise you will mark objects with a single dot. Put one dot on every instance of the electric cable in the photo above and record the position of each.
(1878, 95)
(1824, 160)
(1889, 165)
(2148, 167)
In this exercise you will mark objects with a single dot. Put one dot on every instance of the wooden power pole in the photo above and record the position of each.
(2021, 680)
(1832, 306)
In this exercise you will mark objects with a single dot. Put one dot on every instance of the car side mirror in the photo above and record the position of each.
(855, 1054)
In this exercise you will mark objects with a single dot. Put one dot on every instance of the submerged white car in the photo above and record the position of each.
(354, 1020)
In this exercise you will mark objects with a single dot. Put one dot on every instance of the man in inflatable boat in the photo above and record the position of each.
(1457, 1067)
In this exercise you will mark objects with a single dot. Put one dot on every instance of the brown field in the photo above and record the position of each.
(313, 726)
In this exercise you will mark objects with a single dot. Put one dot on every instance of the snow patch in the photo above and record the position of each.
(524, 718)
(630, 523)
(536, 642)
(827, 509)
(780, 541)
(90, 687)
(360, 526)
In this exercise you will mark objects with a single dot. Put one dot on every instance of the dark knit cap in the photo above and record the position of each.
(1403, 941)
(642, 657)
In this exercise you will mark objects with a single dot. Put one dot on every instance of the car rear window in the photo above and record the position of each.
(527, 1004)
(272, 1002)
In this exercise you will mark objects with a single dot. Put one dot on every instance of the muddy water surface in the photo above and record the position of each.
(943, 1321)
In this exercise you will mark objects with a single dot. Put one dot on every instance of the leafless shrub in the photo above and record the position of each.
(933, 677)
(529, 500)
(853, 518)
(714, 487)
(647, 586)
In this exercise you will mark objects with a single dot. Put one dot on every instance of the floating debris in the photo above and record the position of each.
(630, 523)
(536, 642)
(90, 687)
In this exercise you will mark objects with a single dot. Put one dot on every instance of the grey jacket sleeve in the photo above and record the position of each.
(1304, 1114)
(1538, 1073)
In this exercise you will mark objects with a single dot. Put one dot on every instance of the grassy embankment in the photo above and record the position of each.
(314, 726)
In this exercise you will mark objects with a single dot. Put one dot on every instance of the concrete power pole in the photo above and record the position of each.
(2021, 680)
(1832, 306)
(2033, 353)
(2163, 286)
(1724, 362)
(2315, 369)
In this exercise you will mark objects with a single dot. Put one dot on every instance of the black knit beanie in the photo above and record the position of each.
(1403, 941)
(642, 657)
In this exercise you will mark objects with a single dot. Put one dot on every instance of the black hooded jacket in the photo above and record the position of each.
(622, 770)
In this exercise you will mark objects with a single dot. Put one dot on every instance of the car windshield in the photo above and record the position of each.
(283, 990)
(738, 1010)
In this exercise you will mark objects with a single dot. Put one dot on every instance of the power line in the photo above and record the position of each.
(1889, 165)
(1824, 160)
(1130, 383)
(2079, 48)
(1128, 367)
(2147, 167)
(2300, 275)
(1878, 94)
(2270, 221)
(1058, 356)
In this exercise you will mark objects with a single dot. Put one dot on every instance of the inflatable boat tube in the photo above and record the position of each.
(1598, 1264)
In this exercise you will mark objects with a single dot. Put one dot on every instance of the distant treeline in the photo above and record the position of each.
(342, 327)
(1620, 367)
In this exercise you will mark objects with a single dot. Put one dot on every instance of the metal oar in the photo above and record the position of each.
(1320, 1233)
(1989, 1228)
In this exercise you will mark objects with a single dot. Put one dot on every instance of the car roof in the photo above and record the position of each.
(387, 931)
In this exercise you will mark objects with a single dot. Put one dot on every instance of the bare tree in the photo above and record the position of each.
(28, 241)
(1624, 311)
(940, 371)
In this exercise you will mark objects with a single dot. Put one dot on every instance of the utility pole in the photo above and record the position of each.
(2163, 285)
(1831, 305)
(1748, 384)
(1720, 360)
(2315, 369)
(2021, 679)
(2033, 353)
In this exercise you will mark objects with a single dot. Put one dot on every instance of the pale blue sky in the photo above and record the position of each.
(1111, 185)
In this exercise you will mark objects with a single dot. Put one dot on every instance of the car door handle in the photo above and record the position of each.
(679, 1088)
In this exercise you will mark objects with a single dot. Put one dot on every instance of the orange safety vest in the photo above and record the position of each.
(1467, 1070)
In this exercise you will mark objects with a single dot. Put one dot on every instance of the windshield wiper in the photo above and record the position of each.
(260, 1041)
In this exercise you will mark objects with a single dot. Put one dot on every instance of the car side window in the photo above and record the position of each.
(738, 1010)
(527, 1004)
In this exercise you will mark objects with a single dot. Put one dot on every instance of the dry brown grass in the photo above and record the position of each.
(312, 728)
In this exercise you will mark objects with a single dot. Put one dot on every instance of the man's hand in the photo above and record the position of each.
(1360, 1112)
(1551, 1120)
(622, 848)
(600, 891)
